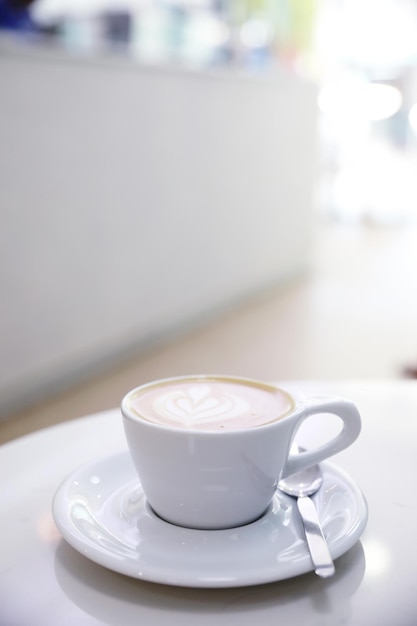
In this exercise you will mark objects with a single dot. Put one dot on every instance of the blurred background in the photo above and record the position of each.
(203, 186)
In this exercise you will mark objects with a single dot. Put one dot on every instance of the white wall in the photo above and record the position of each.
(134, 201)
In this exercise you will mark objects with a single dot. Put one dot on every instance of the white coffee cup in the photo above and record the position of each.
(210, 450)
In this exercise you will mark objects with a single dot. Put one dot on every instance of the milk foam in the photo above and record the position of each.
(211, 404)
(197, 404)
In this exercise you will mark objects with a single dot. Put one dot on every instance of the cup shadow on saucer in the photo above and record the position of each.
(112, 597)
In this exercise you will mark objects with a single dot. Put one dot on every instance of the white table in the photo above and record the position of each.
(45, 582)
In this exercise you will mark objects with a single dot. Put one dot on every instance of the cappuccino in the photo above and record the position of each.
(210, 403)
(210, 450)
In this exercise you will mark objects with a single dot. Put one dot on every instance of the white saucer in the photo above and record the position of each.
(101, 511)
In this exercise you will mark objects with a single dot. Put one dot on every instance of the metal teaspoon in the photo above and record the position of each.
(301, 486)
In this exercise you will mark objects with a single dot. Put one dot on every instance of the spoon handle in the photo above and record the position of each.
(319, 550)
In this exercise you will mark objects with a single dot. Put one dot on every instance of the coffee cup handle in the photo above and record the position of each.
(346, 411)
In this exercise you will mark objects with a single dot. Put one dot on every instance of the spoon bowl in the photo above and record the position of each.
(305, 483)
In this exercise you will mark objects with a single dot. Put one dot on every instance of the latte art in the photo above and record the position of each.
(210, 404)
(197, 403)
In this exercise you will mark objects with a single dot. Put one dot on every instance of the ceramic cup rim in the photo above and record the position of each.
(136, 418)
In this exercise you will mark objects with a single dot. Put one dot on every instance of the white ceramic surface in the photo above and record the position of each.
(102, 512)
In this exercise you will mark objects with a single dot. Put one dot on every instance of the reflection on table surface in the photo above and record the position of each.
(101, 593)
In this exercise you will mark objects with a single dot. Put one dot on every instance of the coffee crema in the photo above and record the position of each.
(210, 403)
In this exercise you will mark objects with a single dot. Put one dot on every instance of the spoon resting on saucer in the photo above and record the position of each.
(301, 486)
